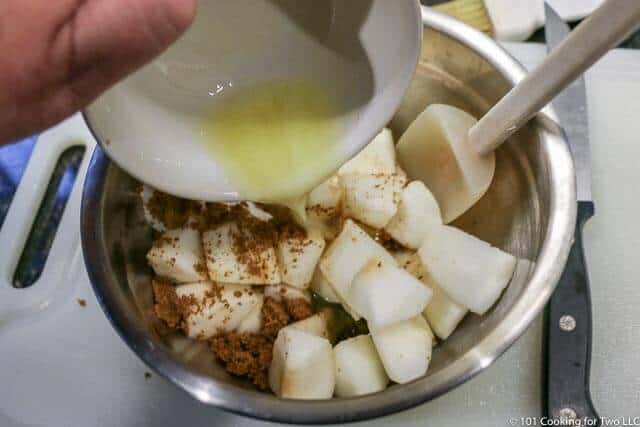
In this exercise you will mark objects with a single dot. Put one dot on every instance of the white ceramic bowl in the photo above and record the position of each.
(365, 51)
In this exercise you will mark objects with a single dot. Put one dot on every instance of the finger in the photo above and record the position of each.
(118, 36)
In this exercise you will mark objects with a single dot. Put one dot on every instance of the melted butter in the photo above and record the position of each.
(276, 141)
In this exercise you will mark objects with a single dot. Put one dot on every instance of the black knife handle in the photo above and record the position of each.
(569, 336)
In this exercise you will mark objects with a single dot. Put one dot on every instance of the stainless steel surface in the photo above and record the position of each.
(571, 108)
(529, 211)
(603, 30)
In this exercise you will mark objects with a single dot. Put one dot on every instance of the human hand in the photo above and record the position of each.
(58, 55)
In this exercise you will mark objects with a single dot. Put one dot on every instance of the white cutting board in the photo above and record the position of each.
(612, 237)
(63, 365)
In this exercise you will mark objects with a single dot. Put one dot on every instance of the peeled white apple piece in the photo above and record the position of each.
(402, 179)
(298, 257)
(224, 261)
(423, 323)
(303, 366)
(314, 325)
(418, 212)
(470, 271)
(345, 257)
(385, 294)
(405, 349)
(442, 313)
(323, 207)
(321, 286)
(145, 195)
(324, 200)
(253, 322)
(216, 309)
(297, 208)
(327, 229)
(177, 255)
(359, 370)
(371, 199)
(379, 157)
(280, 292)
(435, 150)
(405, 258)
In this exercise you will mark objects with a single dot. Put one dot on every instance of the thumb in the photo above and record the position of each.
(59, 55)
(108, 39)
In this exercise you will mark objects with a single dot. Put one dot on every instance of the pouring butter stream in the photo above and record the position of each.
(275, 140)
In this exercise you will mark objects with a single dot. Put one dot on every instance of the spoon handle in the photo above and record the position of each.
(603, 30)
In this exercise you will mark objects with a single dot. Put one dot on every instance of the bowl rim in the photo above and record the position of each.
(553, 255)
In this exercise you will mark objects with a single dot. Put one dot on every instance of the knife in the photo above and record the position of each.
(568, 351)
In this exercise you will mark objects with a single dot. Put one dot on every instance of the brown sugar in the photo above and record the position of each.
(251, 251)
(274, 318)
(250, 242)
(250, 354)
(298, 308)
(245, 355)
(215, 214)
(173, 212)
(172, 309)
(166, 303)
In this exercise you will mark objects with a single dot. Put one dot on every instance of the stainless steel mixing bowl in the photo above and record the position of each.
(529, 211)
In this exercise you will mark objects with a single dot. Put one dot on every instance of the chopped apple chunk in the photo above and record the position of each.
(379, 157)
(442, 313)
(418, 212)
(253, 322)
(321, 286)
(298, 256)
(359, 370)
(213, 309)
(371, 199)
(323, 207)
(347, 254)
(303, 366)
(146, 193)
(280, 292)
(386, 294)
(324, 200)
(177, 255)
(470, 271)
(405, 349)
(235, 255)
(314, 325)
